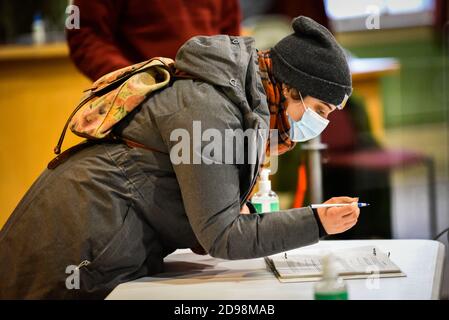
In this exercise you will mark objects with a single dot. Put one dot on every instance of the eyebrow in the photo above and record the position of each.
(327, 105)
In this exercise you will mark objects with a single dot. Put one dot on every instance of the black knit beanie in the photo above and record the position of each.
(311, 61)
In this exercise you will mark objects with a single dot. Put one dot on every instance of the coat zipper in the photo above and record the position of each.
(83, 264)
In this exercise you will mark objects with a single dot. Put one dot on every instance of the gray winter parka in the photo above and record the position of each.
(111, 213)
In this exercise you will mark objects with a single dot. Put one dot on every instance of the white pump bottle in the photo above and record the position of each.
(331, 286)
(265, 200)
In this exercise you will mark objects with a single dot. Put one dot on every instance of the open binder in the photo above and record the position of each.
(353, 263)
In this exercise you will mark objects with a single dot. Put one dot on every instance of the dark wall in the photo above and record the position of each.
(16, 17)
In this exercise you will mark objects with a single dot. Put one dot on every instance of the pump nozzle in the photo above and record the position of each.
(329, 266)
(264, 173)
(265, 183)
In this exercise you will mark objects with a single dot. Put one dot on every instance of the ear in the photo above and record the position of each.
(285, 89)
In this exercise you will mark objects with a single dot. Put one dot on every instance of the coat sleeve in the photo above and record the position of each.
(93, 47)
(211, 198)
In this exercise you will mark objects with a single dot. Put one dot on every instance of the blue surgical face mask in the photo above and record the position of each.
(308, 127)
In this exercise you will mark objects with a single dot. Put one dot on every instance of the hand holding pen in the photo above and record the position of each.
(339, 214)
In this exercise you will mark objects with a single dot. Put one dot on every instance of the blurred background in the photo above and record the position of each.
(389, 146)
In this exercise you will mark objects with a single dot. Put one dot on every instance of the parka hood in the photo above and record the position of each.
(231, 64)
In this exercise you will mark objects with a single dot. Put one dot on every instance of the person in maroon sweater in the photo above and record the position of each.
(117, 33)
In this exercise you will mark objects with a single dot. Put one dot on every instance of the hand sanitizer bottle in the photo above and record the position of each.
(265, 200)
(38, 30)
(331, 286)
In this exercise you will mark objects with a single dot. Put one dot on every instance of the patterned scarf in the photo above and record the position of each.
(278, 116)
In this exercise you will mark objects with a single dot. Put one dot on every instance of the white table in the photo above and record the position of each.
(190, 276)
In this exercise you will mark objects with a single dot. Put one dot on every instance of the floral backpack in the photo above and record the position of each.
(115, 95)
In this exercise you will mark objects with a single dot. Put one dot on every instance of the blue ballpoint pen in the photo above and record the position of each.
(330, 205)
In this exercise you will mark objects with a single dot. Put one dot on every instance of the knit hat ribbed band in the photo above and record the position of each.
(311, 60)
